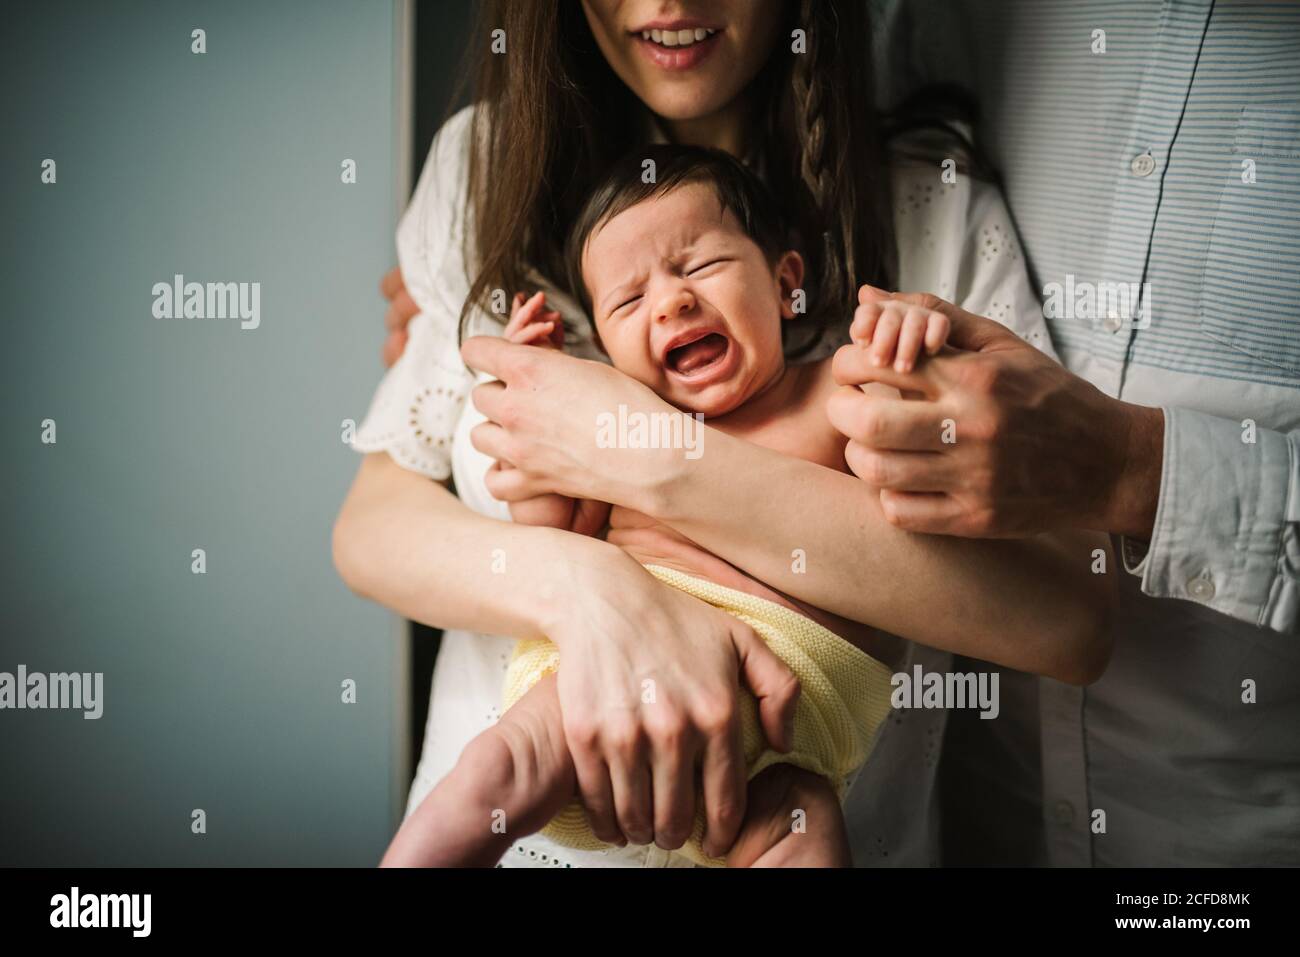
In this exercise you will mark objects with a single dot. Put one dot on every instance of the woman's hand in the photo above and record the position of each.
(412, 545)
(544, 419)
(401, 310)
(648, 687)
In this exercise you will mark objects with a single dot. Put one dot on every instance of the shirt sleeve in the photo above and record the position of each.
(415, 409)
(1227, 527)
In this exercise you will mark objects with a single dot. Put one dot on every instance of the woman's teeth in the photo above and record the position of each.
(677, 38)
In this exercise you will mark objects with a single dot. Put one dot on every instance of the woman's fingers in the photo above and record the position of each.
(594, 786)
(507, 361)
(509, 484)
(723, 779)
(492, 440)
(672, 746)
(629, 774)
(772, 683)
(490, 399)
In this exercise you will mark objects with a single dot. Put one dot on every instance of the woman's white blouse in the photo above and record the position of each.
(954, 240)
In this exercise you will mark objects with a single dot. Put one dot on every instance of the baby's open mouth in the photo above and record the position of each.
(696, 357)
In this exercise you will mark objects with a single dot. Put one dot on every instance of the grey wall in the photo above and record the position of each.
(221, 691)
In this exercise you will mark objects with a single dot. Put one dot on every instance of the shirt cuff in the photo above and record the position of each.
(1221, 517)
(1133, 554)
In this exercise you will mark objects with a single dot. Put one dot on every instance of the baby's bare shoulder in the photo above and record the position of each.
(801, 428)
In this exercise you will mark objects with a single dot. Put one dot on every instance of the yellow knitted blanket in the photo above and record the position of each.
(844, 699)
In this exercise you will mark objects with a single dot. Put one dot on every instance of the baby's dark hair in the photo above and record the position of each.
(738, 189)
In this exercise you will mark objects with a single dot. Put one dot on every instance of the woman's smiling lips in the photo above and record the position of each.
(677, 44)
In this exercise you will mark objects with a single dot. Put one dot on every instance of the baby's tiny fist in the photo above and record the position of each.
(531, 324)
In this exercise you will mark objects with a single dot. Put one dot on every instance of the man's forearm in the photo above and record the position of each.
(1135, 490)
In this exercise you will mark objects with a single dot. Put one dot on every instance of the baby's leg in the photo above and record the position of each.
(509, 782)
(792, 819)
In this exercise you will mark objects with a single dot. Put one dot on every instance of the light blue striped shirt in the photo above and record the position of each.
(1154, 148)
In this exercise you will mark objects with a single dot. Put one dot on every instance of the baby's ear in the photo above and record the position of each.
(789, 278)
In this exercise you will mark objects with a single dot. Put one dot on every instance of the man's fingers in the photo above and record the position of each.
(906, 471)
(391, 283)
(975, 332)
(885, 422)
(401, 310)
(394, 346)
(926, 512)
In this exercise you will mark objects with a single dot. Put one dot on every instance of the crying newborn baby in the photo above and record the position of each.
(689, 280)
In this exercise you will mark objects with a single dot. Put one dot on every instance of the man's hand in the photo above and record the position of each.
(995, 439)
(401, 310)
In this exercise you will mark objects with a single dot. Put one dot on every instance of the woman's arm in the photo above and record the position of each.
(411, 545)
(1032, 604)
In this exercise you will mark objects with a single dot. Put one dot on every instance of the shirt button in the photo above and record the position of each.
(1202, 589)
(1143, 164)
(1112, 323)
(1064, 812)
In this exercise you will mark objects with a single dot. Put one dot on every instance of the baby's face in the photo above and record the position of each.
(685, 302)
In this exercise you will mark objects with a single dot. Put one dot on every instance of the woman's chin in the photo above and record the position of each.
(683, 102)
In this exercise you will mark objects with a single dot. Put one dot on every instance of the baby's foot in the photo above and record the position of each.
(521, 766)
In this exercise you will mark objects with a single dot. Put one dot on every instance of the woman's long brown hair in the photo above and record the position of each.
(552, 115)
